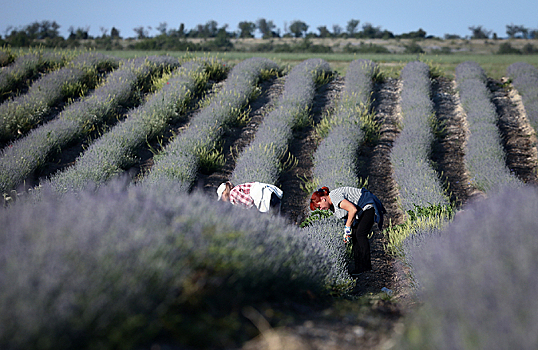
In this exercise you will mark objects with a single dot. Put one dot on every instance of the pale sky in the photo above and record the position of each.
(435, 17)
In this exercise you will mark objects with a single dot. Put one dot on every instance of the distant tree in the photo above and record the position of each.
(451, 36)
(43, 30)
(177, 33)
(419, 34)
(369, 31)
(479, 32)
(140, 32)
(79, 33)
(115, 33)
(162, 28)
(265, 27)
(246, 29)
(104, 32)
(324, 32)
(337, 30)
(298, 28)
(211, 28)
(352, 27)
(8, 30)
(513, 30)
(222, 42)
(19, 38)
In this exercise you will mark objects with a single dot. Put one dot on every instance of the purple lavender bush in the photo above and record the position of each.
(484, 156)
(122, 88)
(114, 152)
(418, 183)
(525, 79)
(478, 284)
(180, 160)
(124, 266)
(261, 160)
(335, 159)
(26, 68)
(24, 112)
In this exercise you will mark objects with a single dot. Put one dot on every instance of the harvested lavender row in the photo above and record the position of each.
(525, 80)
(113, 152)
(19, 115)
(180, 160)
(26, 67)
(24, 156)
(335, 159)
(418, 183)
(484, 156)
(260, 161)
(151, 249)
(477, 277)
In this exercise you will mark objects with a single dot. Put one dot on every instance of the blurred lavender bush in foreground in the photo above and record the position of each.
(478, 278)
(484, 157)
(122, 266)
(417, 181)
(525, 80)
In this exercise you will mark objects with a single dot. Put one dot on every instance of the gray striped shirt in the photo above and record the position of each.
(352, 194)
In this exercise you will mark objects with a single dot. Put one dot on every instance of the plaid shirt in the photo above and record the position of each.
(240, 194)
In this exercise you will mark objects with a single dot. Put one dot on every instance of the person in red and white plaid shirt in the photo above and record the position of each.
(241, 195)
(238, 195)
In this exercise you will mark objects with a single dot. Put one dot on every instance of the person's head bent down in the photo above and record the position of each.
(321, 200)
(223, 191)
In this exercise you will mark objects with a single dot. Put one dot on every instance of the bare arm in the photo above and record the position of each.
(351, 211)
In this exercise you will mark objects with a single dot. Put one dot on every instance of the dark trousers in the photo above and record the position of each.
(359, 239)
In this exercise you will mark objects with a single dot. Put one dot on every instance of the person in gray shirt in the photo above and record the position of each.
(360, 209)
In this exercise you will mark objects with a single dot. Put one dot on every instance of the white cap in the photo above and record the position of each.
(221, 189)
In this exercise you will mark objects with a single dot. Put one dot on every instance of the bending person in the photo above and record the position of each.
(262, 196)
(359, 208)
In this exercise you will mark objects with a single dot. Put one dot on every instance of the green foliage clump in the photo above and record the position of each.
(434, 216)
(316, 215)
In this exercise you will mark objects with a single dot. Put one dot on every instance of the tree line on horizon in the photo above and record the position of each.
(46, 33)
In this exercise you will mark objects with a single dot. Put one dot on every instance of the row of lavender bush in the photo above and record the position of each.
(123, 266)
(121, 88)
(335, 159)
(114, 152)
(476, 278)
(417, 181)
(525, 79)
(24, 112)
(26, 68)
(485, 158)
(180, 160)
(261, 160)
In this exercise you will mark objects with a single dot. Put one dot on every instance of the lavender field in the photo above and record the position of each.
(112, 236)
